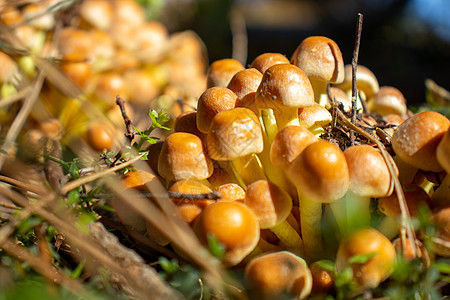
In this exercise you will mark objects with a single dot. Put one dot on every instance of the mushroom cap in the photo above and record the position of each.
(278, 274)
(312, 115)
(184, 157)
(341, 97)
(367, 241)
(234, 133)
(212, 101)
(388, 100)
(231, 192)
(320, 58)
(288, 144)
(321, 172)
(263, 61)
(286, 85)
(98, 13)
(366, 81)
(416, 139)
(137, 179)
(323, 281)
(245, 82)
(441, 220)
(108, 86)
(221, 71)
(443, 152)
(415, 197)
(189, 209)
(369, 173)
(270, 203)
(233, 224)
(187, 122)
(100, 135)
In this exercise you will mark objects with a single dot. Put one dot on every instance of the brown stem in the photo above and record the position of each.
(128, 123)
(354, 64)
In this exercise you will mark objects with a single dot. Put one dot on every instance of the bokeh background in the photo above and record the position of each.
(403, 41)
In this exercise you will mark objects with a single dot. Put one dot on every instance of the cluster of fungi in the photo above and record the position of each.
(266, 159)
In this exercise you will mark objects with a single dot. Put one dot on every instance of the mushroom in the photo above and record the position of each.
(277, 275)
(315, 118)
(285, 88)
(415, 141)
(366, 81)
(415, 198)
(263, 61)
(272, 206)
(189, 208)
(321, 60)
(245, 82)
(184, 157)
(321, 175)
(388, 100)
(187, 122)
(369, 178)
(441, 196)
(221, 71)
(235, 135)
(441, 221)
(233, 224)
(231, 192)
(100, 136)
(323, 280)
(211, 102)
(367, 241)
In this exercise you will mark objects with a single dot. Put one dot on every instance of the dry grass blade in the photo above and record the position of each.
(53, 275)
(87, 247)
(16, 97)
(21, 117)
(23, 185)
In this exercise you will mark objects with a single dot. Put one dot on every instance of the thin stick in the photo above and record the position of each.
(354, 65)
(128, 123)
(16, 97)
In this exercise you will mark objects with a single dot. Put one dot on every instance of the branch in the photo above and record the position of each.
(128, 123)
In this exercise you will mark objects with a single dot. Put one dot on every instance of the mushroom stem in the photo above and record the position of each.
(317, 130)
(406, 172)
(270, 124)
(320, 91)
(441, 197)
(351, 212)
(289, 237)
(310, 217)
(286, 116)
(249, 168)
(389, 227)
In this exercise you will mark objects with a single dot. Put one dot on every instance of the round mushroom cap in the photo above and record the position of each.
(270, 203)
(263, 61)
(184, 157)
(367, 241)
(221, 71)
(369, 173)
(286, 85)
(366, 81)
(415, 198)
(137, 179)
(388, 100)
(341, 98)
(443, 152)
(323, 281)
(314, 115)
(441, 220)
(212, 101)
(288, 144)
(278, 274)
(234, 133)
(416, 139)
(187, 122)
(233, 224)
(231, 192)
(320, 58)
(321, 172)
(245, 82)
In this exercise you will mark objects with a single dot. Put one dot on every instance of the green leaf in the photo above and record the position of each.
(327, 265)
(77, 272)
(361, 258)
(215, 247)
(169, 266)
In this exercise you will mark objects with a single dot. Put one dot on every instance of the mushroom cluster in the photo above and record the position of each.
(259, 156)
(268, 130)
